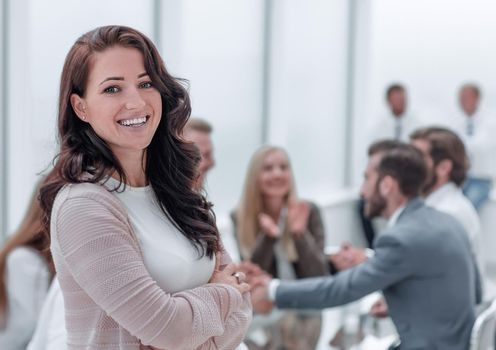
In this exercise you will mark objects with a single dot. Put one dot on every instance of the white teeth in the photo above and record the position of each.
(134, 121)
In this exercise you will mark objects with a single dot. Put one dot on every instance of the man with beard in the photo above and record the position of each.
(447, 165)
(431, 307)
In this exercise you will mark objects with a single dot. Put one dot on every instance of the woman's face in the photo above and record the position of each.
(275, 177)
(121, 104)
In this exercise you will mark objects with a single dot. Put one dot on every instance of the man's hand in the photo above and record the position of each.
(348, 257)
(259, 295)
(251, 270)
(379, 309)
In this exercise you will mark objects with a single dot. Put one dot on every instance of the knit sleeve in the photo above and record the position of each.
(96, 245)
(236, 324)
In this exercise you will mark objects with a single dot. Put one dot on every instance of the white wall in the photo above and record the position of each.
(308, 90)
(218, 46)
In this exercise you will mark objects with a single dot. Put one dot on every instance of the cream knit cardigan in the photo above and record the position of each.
(111, 301)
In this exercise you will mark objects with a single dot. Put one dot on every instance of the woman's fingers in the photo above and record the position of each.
(243, 287)
(230, 269)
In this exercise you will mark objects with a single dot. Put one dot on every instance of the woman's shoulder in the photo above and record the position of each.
(82, 193)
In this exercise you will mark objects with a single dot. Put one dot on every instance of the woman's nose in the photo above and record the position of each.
(134, 100)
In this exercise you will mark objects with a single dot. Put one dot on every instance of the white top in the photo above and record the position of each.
(50, 331)
(27, 279)
(169, 256)
(480, 144)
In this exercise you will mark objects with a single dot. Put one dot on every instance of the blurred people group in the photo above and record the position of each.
(119, 281)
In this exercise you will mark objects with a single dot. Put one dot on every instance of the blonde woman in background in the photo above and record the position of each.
(283, 235)
(26, 270)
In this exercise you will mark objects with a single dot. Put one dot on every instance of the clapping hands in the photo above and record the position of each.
(298, 214)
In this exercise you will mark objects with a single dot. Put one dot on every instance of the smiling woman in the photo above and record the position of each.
(136, 249)
(121, 104)
(282, 234)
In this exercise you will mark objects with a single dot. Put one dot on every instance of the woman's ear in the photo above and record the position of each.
(78, 105)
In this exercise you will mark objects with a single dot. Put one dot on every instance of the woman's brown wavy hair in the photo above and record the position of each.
(171, 163)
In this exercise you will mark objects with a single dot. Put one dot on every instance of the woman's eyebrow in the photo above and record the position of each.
(121, 78)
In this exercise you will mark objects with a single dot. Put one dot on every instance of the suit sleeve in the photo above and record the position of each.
(97, 248)
(388, 266)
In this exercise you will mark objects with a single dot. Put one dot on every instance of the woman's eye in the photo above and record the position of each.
(146, 85)
(111, 90)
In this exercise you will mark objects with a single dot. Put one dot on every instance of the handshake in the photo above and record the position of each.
(259, 281)
(348, 256)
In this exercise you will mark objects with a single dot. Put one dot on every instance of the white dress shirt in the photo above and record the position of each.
(478, 134)
(27, 279)
(394, 128)
(394, 218)
(450, 199)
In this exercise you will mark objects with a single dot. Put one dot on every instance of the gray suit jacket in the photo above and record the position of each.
(426, 270)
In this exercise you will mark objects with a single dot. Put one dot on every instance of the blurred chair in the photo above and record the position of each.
(483, 332)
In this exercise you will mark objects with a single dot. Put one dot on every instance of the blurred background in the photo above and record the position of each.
(306, 75)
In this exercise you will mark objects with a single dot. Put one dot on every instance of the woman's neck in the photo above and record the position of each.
(273, 206)
(133, 164)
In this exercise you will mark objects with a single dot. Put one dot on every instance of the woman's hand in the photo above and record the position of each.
(268, 226)
(251, 270)
(229, 275)
(298, 213)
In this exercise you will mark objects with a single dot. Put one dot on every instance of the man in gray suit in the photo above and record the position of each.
(422, 262)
